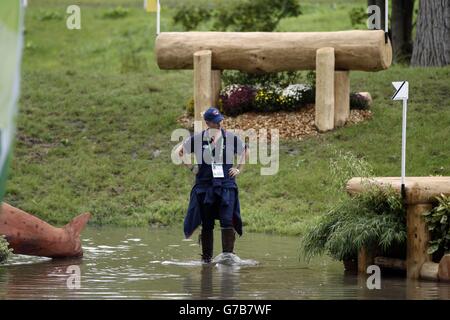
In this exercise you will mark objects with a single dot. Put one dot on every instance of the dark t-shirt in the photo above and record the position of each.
(198, 144)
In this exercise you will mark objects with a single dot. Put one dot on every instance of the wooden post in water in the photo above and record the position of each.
(421, 193)
(417, 239)
(202, 86)
(365, 258)
(325, 62)
(341, 97)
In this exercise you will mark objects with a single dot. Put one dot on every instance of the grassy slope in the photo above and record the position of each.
(88, 132)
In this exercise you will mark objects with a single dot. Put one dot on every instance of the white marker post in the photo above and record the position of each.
(402, 93)
(386, 21)
(154, 6)
(386, 16)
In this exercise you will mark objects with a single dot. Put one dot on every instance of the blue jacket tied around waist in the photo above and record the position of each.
(218, 187)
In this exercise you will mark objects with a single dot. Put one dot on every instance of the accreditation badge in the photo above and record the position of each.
(217, 170)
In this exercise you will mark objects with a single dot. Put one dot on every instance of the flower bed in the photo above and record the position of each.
(289, 109)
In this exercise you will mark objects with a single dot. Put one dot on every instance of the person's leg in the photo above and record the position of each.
(207, 233)
(226, 224)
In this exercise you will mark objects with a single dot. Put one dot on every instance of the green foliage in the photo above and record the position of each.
(358, 17)
(375, 218)
(190, 107)
(346, 165)
(282, 79)
(245, 15)
(190, 16)
(371, 219)
(116, 13)
(254, 15)
(47, 15)
(5, 252)
(438, 221)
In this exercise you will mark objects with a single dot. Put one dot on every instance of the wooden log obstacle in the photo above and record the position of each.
(420, 195)
(331, 54)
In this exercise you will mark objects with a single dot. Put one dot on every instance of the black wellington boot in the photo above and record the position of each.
(228, 238)
(207, 238)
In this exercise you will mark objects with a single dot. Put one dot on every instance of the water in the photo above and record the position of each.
(142, 263)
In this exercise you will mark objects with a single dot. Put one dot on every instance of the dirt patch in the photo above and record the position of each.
(295, 125)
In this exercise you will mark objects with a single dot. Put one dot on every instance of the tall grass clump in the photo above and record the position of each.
(372, 219)
(5, 252)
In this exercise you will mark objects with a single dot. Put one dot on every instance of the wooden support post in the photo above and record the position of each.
(202, 86)
(325, 62)
(366, 257)
(444, 268)
(216, 86)
(417, 239)
(341, 97)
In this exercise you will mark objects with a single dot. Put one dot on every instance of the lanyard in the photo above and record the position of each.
(220, 146)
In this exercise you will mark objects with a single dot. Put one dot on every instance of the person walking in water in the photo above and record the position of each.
(214, 195)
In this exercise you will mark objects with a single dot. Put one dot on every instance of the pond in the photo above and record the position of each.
(157, 263)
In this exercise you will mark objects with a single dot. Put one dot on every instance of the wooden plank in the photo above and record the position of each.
(419, 189)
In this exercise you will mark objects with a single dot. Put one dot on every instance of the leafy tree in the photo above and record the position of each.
(243, 15)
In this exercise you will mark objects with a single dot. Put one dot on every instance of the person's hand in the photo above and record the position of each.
(234, 172)
(194, 169)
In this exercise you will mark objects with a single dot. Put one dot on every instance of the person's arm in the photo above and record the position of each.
(240, 163)
(181, 153)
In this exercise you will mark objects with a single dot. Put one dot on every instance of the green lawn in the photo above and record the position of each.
(95, 108)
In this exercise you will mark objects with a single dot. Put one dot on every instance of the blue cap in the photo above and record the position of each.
(213, 115)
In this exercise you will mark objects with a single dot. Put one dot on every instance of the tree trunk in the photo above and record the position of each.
(432, 44)
(402, 16)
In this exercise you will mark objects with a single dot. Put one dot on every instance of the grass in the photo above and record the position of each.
(96, 117)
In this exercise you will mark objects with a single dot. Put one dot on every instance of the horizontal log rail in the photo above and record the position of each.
(259, 52)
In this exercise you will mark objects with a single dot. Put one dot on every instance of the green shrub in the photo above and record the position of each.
(372, 219)
(190, 16)
(254, 15)
(358, 17)
(438, 221)
(5, 252)
(281, 79)
(190, 105)
(46, 15)
(238, 15)
(116, 13)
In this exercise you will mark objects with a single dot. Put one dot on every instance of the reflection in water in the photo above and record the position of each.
(142, 263)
